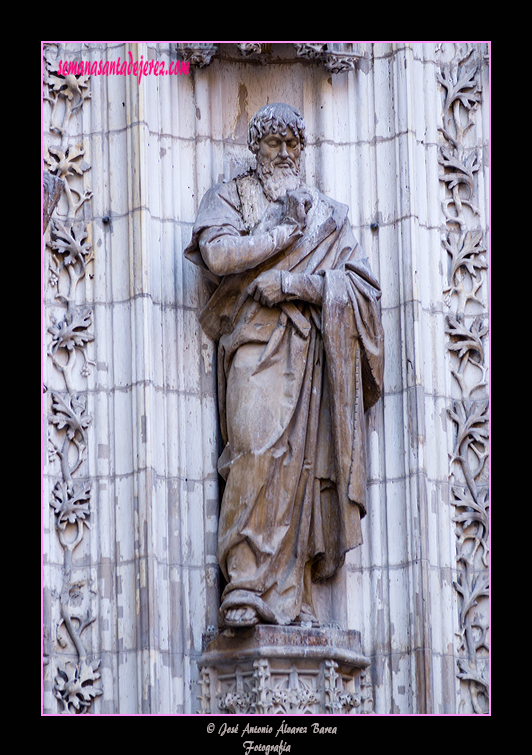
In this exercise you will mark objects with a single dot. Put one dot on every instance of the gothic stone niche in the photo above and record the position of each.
(284, 670)
(295, 312)
(300, 359)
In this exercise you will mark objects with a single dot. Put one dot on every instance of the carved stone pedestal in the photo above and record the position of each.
(271, 669)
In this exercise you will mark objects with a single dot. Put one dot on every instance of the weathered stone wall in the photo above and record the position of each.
(130, 421)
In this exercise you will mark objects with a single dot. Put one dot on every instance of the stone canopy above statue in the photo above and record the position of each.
(337, 57)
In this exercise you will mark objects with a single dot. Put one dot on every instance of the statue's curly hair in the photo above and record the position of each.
(274, 119)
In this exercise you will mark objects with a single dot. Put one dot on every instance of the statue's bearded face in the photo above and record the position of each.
(278, 163)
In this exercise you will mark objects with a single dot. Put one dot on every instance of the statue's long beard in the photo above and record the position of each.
(276, 181)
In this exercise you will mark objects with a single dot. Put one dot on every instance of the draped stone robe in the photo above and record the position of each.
(294, 381)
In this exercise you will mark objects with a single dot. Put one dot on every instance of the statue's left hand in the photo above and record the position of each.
(267, 288)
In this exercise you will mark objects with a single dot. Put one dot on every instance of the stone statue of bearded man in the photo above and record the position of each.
(300, 359)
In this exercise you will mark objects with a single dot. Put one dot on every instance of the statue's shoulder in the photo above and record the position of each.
(232, 187)
(226, 190)
(220, 205)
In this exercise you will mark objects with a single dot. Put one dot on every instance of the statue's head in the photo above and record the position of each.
(276, 135)
(275, 119)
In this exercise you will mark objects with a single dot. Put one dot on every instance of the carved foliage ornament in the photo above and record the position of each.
(467, 331)
(76, 684)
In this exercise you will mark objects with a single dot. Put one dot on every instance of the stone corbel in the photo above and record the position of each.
(289, 670)
(250, 48)
(337, 57)
(197, 54)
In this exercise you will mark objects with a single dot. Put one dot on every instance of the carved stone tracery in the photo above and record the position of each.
(274, 670)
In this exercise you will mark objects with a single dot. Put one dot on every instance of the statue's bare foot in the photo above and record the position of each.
(244, 616)
(307, 617)
(244, 608)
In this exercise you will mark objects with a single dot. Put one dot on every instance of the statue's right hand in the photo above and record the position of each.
(298, 203)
